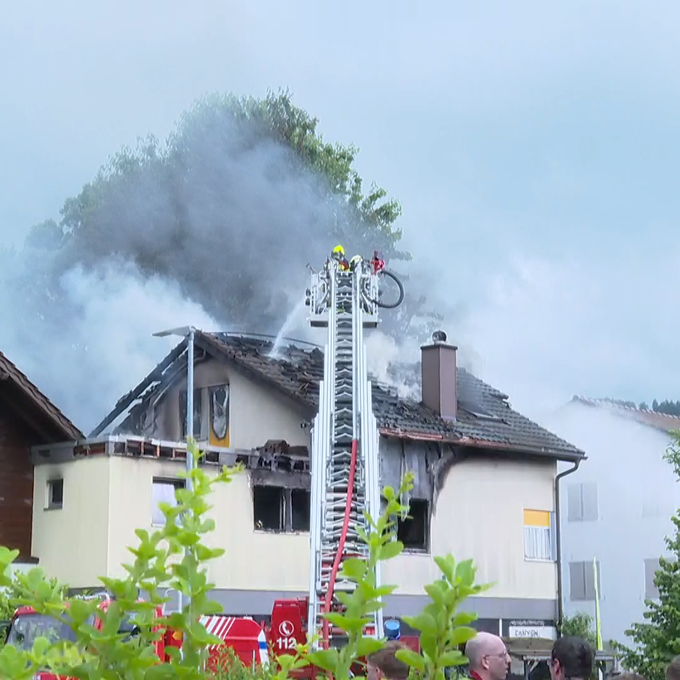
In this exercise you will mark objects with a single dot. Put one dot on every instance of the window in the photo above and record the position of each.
(582, 502)
(268, 508)
(198, 410)
(219, 415)
(539, 535)
(163, 492)
(412, 531)
(582, 581)
(299, 501)
(651, 567)
(280, 509)
(55, 494)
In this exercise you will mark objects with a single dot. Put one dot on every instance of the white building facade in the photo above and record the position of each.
(616, 508)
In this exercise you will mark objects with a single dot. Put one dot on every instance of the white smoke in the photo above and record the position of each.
(106, 345)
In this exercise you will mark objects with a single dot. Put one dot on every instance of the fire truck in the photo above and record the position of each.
(345, 482)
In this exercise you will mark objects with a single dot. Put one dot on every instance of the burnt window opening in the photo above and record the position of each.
(280, 509)
(413, 531)
(55, 494)
(268, 508)
(299, 502)
(198, 411)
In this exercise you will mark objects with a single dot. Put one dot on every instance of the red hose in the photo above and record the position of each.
(341, 545)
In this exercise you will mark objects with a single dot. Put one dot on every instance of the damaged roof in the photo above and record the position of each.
(659, 421)
(485, 418)
(33, 406)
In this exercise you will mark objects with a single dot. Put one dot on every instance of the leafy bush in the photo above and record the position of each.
(174, 557)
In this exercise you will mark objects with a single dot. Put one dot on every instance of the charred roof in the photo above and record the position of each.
(485, 418)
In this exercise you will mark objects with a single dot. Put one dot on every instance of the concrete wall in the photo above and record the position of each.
(635, 495)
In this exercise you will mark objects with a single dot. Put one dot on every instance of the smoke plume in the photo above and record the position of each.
(215, 229)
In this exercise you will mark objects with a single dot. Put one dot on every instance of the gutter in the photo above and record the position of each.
(558, 540)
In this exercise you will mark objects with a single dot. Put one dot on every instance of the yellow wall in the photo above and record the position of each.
(256, 414)
(480, 514)
(72, 542)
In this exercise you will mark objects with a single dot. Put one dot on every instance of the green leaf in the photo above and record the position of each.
(451, 658)
(391, 550)
(423, 622)
(354, 568)
(367, 646)
(327, 659)
(461, 635)
(465, 571)
(446, 566)
(463, 618)
(409, 657)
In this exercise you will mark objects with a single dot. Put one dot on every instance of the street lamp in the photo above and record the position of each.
(186, 332)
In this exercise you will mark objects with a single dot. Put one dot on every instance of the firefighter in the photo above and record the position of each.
(338, 255)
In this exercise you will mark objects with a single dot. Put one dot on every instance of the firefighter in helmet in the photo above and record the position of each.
(338, 255)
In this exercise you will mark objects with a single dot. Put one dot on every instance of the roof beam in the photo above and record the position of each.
(155, 376)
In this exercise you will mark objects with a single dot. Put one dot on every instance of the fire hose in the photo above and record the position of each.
(341, 544)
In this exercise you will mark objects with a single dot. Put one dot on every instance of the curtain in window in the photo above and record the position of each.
(538, 543)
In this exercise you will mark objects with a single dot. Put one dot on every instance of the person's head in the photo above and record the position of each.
(673, 669)
(338, 253)
(488, 656)
(385, 664)
(571, 659)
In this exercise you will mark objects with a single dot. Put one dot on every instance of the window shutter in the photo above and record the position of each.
(651, 567)
(589, 496)
(589, 580)
(574, 503)
(577, 584)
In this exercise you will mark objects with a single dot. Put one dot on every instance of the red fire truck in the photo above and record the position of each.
(249, 641)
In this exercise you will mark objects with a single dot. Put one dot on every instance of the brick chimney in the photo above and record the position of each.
(438, 366)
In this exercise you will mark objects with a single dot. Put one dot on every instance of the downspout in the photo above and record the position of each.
(558, 539)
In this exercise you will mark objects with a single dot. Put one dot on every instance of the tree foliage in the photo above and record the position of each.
(581, 625)
(656, 640)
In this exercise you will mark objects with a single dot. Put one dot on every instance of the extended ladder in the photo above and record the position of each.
(345, 440)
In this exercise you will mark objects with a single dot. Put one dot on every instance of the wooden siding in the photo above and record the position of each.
(16, 483)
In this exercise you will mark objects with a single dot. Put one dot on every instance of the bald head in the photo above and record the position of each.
(488, 656)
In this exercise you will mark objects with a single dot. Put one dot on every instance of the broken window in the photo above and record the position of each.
(299, 501)
(198, 410)
(219, 415)
(268, 508)
(163, 491)
(55, 494)
(278, 508)
(413, 531)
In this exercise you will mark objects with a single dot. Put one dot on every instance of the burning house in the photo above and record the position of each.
(484, 480)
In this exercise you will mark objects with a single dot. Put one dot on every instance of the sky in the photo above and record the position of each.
(533, 147)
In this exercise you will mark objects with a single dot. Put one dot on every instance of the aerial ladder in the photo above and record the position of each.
(345, 440)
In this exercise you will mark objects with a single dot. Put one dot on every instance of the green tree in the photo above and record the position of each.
(657, 639)
(581, 625)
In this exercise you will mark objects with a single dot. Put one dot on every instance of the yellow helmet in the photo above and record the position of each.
(338, 252)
